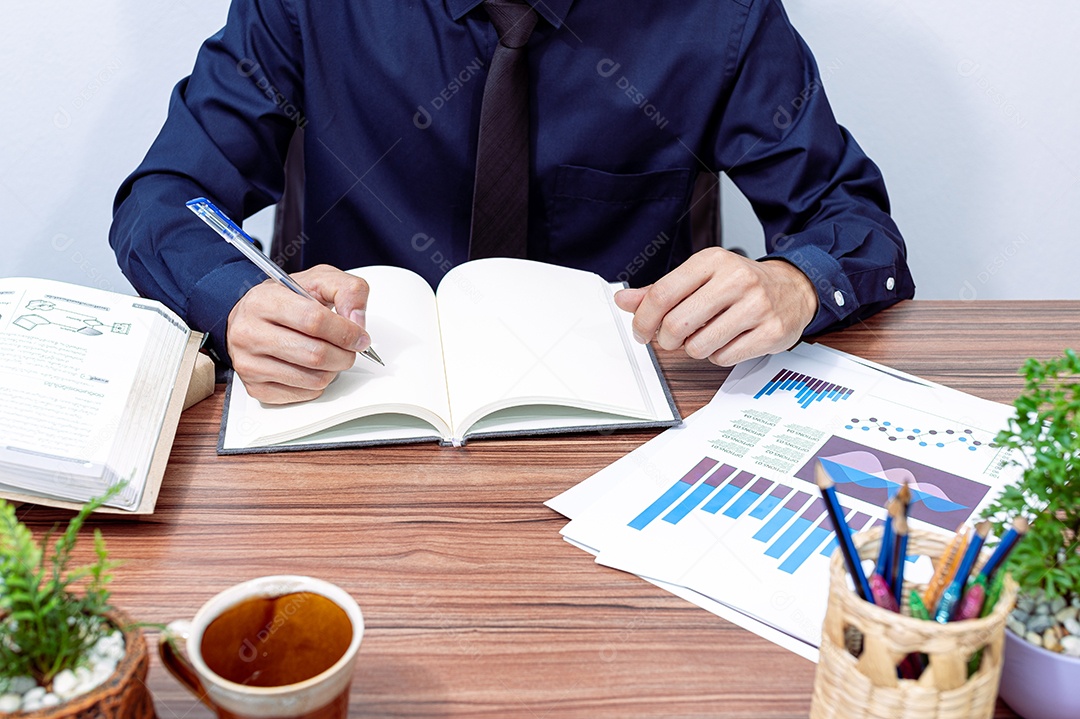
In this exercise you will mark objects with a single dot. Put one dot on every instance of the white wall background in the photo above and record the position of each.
(84, 89)
(972, 109)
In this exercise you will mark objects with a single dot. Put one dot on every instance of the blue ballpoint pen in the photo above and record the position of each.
(220, 222)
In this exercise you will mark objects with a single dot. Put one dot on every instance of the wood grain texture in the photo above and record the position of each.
(473, 603)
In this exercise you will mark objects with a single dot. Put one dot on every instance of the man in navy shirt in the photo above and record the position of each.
(629, 102)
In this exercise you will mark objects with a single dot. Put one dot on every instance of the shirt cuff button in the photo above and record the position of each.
(890, 283)
(838, 297)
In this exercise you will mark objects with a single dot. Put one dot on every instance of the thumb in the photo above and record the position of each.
(347, 293)
(628, 300)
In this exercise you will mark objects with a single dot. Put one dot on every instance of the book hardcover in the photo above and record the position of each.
(94, 383)
(503, 347)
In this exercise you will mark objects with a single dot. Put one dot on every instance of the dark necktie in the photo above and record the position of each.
(500, 216)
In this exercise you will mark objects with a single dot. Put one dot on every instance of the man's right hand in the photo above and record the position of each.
(287, 348)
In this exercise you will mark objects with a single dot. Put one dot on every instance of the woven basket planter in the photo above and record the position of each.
(867, 687)
(122, 696)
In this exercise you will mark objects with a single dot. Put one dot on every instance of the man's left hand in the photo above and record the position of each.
(723, 306)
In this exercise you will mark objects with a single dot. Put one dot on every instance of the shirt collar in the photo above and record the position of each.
(554, 11)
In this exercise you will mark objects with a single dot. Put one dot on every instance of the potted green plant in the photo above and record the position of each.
(1042, 650)
(64, 651)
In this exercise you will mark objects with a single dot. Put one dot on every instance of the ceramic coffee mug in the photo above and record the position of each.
(281, 646)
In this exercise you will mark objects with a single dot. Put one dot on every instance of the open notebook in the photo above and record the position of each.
(504, 347)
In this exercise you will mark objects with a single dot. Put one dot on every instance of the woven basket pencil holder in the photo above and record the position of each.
(867, 686)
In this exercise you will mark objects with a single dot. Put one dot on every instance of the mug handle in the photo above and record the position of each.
(174, 659)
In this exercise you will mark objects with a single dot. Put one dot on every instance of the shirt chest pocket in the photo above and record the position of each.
(621, 226)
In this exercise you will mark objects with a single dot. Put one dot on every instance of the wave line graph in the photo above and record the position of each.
(938, 497)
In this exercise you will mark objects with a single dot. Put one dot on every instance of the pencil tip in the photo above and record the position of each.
(905, 493)
(822, 477)
(898, 512)
(1020, 525)
(982, 528)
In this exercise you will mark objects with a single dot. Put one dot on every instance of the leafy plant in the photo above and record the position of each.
(45, 625)
(1046, 432)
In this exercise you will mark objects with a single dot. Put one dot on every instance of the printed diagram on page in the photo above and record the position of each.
(47, 313)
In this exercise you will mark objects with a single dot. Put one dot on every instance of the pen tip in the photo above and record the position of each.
(371, 354)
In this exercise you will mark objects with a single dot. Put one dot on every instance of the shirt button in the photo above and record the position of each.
(890, 283)
(839, 298)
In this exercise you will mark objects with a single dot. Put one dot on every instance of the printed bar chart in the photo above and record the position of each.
(817, 536)
(721, 498)
(790, 535)
(768, 504)
(807, 389)
(782, 517)
(747, 498)
(699, 494)
(794, 524)
(677, 490)
(856, 524)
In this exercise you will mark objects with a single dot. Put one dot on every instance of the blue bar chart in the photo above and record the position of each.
(728, 491)
(699, 495)
(782, 517)
(807, 389)
(794, 525)
(796, 529)
(672, 495)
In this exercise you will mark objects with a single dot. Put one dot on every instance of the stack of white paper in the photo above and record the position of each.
(724, 511)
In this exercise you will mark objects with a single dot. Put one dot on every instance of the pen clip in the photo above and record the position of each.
(235, 236)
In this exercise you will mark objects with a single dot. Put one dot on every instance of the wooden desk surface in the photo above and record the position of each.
(474, 605)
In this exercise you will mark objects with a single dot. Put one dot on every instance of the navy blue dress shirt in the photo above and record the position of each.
(629, 102)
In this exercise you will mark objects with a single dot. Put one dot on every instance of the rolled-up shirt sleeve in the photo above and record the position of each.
(225, 138)
(821, 200)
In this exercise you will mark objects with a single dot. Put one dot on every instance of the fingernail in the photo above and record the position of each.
(359, 317)
(363, 343)
(639, 338)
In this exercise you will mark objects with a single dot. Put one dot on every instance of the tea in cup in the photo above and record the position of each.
(280, 646)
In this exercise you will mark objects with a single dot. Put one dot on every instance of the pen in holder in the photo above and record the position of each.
(865, 684)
